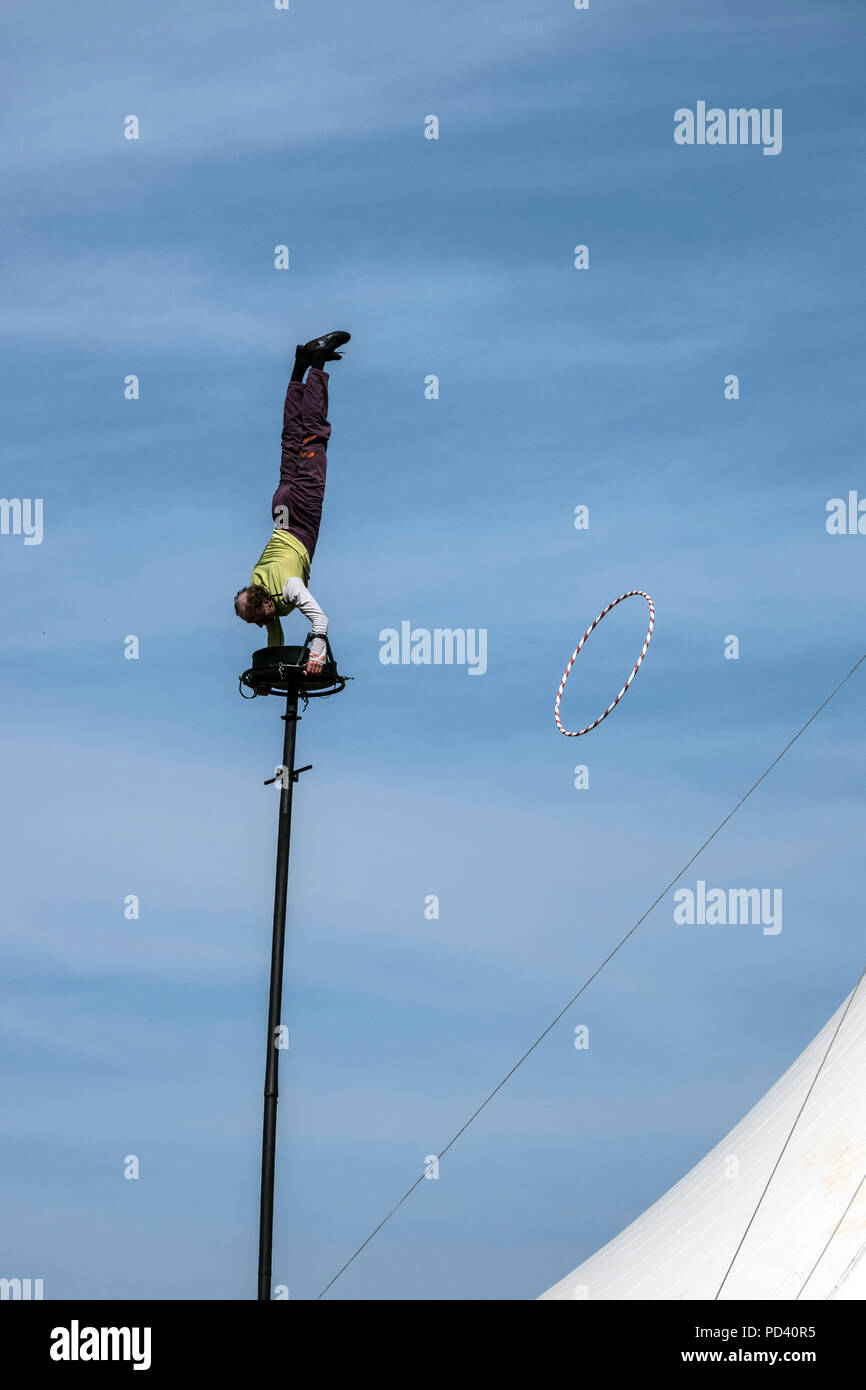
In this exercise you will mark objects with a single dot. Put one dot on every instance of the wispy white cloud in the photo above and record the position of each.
(440, 310)
(266, 80)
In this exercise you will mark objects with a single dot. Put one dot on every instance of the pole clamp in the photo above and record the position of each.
(295, 775)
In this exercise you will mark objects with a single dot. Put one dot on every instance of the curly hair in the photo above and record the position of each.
(255, 604)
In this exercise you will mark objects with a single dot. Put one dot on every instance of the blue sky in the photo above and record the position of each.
(557, 387)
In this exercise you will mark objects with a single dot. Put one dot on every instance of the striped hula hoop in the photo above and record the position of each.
(632, 593)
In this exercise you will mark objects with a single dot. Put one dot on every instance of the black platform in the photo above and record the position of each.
(280, 671)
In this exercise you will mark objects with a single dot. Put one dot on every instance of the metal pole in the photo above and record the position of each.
(269, 1126)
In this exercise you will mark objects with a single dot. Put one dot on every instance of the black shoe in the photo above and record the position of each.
(321, 350)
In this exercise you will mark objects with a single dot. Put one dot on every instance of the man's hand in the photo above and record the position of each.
(314, 666)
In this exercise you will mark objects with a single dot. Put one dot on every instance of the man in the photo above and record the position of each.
(280, 577)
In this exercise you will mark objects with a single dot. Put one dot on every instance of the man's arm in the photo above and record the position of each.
(296, 593)
(275, 633)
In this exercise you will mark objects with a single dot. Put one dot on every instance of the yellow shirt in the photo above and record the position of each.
(284, 557)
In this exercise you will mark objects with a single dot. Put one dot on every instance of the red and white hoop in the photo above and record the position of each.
(632, 593)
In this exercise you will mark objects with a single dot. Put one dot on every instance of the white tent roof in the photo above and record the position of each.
(808, 1238)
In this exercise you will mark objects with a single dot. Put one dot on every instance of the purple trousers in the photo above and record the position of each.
(304, 464)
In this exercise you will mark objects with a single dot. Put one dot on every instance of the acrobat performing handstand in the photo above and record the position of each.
(281, 574)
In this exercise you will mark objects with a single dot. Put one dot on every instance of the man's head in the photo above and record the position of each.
(255, 605)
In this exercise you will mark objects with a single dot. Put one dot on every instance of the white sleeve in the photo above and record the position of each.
(295, 593)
